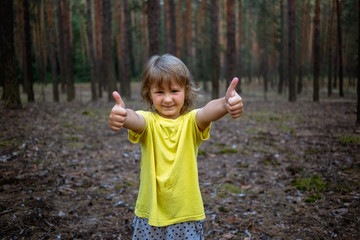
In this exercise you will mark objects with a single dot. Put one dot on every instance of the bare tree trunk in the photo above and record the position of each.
(358, 70)
(291, 25)
(154, 26)
(98, 44)
(338, 11)
(214, 49)
(239, 48)
(170, 28)
(302, 47)
(187, 34)
(52, 52)
(7, 55)
(179, 29)
(331, 45)
(281, 57)
(145, 32)
(125, 77)
(28, 70)
(316, 89)
(230, 43)
(91, 52)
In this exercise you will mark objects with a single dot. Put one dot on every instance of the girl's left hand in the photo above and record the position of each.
(234, 103)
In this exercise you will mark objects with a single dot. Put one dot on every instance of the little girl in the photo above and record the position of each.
(169, 204)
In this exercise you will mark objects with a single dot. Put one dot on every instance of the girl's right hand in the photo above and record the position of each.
(118, 113)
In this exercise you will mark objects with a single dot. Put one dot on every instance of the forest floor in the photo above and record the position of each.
(282, 171)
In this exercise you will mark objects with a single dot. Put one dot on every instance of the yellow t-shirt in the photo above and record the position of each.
(169, 188)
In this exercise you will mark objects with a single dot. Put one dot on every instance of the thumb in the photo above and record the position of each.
(231, 89)
(118, 99)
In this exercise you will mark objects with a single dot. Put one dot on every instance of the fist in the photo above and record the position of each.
(234, 103)
(118, 113)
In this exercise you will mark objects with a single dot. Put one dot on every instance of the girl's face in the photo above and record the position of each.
(168, 99)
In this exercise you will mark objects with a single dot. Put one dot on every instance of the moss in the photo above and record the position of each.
(223, 209)
(89, 113)
(9, 142)
(231, 188)
(313, 198)
(315, 183)
(349, 138)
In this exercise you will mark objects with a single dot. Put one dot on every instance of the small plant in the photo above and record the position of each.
(228, 150)
(315, 183)
(349, 139)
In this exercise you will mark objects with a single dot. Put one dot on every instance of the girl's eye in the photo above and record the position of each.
(174, 91)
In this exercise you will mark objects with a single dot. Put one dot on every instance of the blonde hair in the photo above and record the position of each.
(160, 70)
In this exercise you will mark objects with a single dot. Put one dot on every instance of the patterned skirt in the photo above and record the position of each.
(181, 231)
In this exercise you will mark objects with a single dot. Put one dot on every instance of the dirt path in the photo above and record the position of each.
(282, 171)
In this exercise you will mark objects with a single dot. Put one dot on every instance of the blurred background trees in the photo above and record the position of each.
(280, 44)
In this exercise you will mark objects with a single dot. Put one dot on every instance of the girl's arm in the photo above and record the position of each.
(127, 118)
(216, 109)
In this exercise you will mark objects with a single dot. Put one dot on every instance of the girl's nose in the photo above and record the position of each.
(168, 98)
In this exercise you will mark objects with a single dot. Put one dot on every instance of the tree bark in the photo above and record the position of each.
(28, 70)
(358, 70)
(7, 55)
(91, 52)
(281, 50)
(230, 41)
(214, 49)
(125, 77)
(331, 46)
(340, 54)
(316, 89)
(154, 26)
(291, 57)
(179, 29)
(98, 44)
(170, 33)
(239, 48)
(52, 51)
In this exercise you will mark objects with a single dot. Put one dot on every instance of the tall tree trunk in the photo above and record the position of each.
(214, 49)
(60, 47)
(292, 69)
(125, 76)
(67, 51)
(145, 31)
(302, 47)
(331, 45)
(281, 57)
(91, 52)
(187, 34)
(154, 26)
(316, 89)
(7, 55)
(179, 29)
(239, 47)
(109, 71)
(98, 44)
(230, 43)
(358, 70)
(338, 11)
(52, 52)
(28, 70)
(201, 40)
(170, 33)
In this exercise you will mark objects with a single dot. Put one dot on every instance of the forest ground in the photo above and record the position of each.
(282, 171)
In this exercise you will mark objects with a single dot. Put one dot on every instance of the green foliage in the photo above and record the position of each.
(228, 150)
(9, 142)
(231, 188)
(349, 139)
(313, 198)
(314, 183)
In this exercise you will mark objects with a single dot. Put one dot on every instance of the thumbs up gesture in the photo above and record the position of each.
(118, 113)
(234, 103)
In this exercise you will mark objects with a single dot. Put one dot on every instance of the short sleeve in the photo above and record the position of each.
(204, 134)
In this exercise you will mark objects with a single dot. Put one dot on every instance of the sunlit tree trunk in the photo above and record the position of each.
(170, 28)
(281, 50)
(154, 26)
(91, 52)
(7, 55)
(340, 55)
(331, 45)
(291, 57)
(230, 41)
(52, 51)
(316, 89)
(214, 48)
(28, 70)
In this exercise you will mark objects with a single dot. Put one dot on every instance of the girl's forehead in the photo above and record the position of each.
(165, 84)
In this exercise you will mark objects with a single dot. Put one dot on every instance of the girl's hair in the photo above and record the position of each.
(163, 69)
